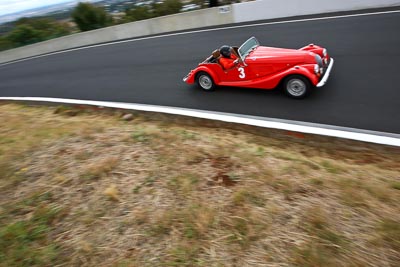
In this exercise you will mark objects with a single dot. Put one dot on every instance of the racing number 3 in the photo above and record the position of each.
(242, 75)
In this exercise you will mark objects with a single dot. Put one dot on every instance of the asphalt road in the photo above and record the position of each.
(363, 90)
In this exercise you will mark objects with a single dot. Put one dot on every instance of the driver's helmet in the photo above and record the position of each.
(225, 51)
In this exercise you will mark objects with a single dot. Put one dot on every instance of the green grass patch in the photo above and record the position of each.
(316, 181)
(148, 182)
(183, 255)
(285, 156)
(187, 135)
(395, 185)
(141, 136)
(352, 192)
(184, 183)
(314, 254)
(260, 152)
(194, 220)
(26, 242)
(380, 191)
(331, 167)
(318, 224)
(389, 232)
(249, 196)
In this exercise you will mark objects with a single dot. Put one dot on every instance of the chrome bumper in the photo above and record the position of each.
(326, 74)
(187, 76)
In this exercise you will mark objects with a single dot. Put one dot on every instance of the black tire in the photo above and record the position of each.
(297, 86)
(204, 81)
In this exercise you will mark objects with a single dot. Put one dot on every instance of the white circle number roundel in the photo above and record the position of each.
(242, 74)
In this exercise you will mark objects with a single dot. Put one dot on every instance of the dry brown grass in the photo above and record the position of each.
(89, 189)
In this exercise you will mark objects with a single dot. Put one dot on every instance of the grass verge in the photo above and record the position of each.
(87, 188)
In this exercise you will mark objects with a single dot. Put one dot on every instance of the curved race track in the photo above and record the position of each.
(363, 90)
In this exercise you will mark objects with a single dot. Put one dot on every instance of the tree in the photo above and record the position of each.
(200, 3)
(167, 8)
(138, 13)
(33, 30)
(213, 3)
(89, 17)
(48, 27)
(5, 43)
(25, 34)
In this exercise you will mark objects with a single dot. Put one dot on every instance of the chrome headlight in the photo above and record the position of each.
(318, 60)
(316, 69)
(324, 52)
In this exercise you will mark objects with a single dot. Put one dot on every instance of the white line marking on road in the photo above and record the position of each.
(309, 128)
(205, 30)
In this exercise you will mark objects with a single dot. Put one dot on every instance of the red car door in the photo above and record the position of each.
(235, 76)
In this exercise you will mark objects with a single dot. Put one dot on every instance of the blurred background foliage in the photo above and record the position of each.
(87, 16)
(156, 9)
(32, 30)
(90, 17)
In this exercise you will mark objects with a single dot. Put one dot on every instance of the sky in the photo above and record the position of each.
(12, 6)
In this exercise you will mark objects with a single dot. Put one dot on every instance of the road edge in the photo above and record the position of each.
(374, 137)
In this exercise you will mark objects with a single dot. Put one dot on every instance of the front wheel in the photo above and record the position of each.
(205, 82)
(297, 86)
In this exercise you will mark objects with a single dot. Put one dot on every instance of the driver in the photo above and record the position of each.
(229, 57)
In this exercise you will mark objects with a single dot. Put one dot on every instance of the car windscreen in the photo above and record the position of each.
(247, 47)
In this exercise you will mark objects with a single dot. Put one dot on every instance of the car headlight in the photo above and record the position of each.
(324, 52)
(316, 69)
(318, 60)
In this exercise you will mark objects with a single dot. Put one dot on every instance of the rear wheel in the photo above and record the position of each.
(204, 81)
(297, 86)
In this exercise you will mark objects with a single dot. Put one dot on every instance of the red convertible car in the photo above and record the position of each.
(298, 71)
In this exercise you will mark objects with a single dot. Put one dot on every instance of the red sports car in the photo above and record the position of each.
(298, 71)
